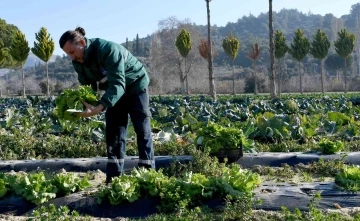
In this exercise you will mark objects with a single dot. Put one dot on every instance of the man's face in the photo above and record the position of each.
(75, 50)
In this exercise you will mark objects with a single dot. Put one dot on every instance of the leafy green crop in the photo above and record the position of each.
(35, 188)
(217, 137)
(51, 212)
(39, 187)
(349, 178)
(73, 99)
(67, 183)
(179, 193)
(3, 188)
(123, 189)
(329, 147)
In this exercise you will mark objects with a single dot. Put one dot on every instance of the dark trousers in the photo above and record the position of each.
(137, 107)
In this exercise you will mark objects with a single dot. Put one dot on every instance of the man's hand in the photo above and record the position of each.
(91, 110)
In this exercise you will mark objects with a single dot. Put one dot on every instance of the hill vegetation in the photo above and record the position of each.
(162, 59)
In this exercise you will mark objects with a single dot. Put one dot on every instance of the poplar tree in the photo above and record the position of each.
(183, 44)
(280, 50)
(231, 46)
(344, 46)
(19, 51)
(319, 49)
(299, 48)
(43, 49)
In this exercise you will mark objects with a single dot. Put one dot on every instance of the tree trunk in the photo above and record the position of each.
(186, 78)
(187, 84)
(358, 63)
(210, 60)
(182, 82)
(345, 76)
(47, 80)
(322, 76)
(272, 53)
(182, 79)
(280, 76)
(255, 79)
(233, 70)
(301, 87)
(23, 81)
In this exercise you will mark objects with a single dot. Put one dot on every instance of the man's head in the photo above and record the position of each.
(73, 44)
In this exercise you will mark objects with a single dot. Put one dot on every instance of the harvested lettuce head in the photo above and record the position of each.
(70, 101)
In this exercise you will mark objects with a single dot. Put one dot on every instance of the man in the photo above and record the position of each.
(111, 67)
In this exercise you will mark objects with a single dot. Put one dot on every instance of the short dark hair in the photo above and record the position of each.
(72, 35)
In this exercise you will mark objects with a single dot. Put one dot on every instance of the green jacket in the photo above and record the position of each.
(125, 74)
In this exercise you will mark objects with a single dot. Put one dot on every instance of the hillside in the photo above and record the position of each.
(32, 60)
(248, 29)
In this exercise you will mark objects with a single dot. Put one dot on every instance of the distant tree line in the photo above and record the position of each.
(310, 50)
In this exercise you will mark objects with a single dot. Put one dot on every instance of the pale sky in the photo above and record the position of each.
(117, 19)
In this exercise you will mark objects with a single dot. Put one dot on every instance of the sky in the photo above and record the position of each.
(117, 20)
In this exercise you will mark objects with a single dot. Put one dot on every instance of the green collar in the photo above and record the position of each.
(87, 49)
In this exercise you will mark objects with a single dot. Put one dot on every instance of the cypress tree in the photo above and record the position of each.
(137, 44)
(299, 48)
(231, 46)
(133, 49)
(19, 51)
(344, 46)
(43, 49)
(319, 49)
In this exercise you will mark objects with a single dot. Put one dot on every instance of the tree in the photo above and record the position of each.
(231, 46)
(344, 46)
(204, 49)
(7, 31)
(133, 49)
(2, 57)
(210, 60)
(164, 55)
(19, 50)
(254, 55)
(280, 50)
(43, 49)
(335, 62)
(183, 44)
(299, 48)
(319, 48)
(137, 45)
(272, 53)
(2, 53)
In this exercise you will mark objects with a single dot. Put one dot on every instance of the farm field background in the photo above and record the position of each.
(195, 126)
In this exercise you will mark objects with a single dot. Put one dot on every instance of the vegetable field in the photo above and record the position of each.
(206, 188)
